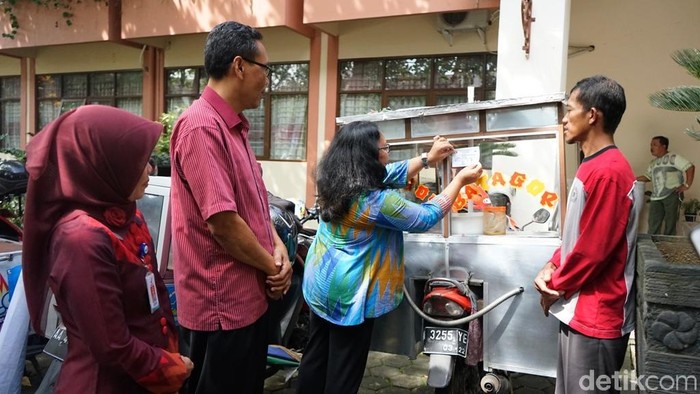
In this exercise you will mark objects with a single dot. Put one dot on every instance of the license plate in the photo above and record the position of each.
(448, 341)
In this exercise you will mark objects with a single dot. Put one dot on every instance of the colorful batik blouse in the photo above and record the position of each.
(354, 269)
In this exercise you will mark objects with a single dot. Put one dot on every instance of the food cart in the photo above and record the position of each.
(521, 149)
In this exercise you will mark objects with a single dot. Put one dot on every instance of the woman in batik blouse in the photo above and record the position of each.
(354, 270)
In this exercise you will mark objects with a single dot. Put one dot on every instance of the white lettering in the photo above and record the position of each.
(686, 386)
(590, 379)
(602, 382)
(625, 380)
(669, 379)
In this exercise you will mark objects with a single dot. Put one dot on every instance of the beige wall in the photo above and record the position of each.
(633, 41)
(318, 11)
(9, 66)
(87, 57)
(285, 179)
(405, 36)
(282, 44)
(102, 56)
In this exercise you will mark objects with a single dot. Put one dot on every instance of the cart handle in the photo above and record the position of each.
(459, 322)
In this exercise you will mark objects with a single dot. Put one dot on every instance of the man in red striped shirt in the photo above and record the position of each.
(228, 259)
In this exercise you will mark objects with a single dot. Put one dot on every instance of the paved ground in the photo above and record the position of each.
(393, 374)
(385, 374)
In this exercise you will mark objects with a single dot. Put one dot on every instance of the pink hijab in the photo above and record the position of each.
(90, 158)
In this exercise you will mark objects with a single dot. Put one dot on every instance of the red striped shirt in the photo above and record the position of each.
(214, 170)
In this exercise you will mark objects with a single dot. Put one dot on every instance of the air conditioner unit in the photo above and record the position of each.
(467, 20)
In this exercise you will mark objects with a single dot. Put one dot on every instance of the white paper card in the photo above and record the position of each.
(465, 156)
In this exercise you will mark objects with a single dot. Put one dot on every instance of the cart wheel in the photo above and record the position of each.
(466, 379)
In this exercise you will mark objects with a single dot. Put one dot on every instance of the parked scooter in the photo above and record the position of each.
(13, 184)
(449, 309)
(289, 332)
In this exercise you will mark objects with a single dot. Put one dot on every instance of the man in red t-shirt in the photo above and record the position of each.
(588, 282)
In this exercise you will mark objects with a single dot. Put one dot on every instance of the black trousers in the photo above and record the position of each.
(335, 358)
(226, 362)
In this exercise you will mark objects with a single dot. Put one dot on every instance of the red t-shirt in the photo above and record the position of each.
(596, 260)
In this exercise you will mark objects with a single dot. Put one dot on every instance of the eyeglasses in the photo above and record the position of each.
(386, 148)
(266, 69)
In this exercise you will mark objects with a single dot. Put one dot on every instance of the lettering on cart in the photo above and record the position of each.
(517, 180)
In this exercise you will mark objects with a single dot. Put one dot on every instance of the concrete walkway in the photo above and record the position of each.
(385, 374)
(393, 374)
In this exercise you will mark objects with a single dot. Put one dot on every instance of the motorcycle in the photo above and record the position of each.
(451, 307)
(452, 334)
(289, 331)
(13, 184)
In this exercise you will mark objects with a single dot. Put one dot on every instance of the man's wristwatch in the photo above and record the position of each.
(687, 186)
(424, 160)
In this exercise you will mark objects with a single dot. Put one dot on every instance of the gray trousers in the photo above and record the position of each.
(589, 365)
(664, 212)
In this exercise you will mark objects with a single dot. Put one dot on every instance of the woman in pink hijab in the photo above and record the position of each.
(86, 243)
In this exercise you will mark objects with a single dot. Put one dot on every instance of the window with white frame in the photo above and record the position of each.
(58, 93)
(278, 127)
(9, 112)
(368, 85)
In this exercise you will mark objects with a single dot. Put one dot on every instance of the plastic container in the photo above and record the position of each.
(495, 221)
(467, 223)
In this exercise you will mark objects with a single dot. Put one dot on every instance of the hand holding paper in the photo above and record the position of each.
(464, 157)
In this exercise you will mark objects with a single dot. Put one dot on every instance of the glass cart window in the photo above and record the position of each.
(521, 118)
(446, 124)
(393, 129)
(520, 174)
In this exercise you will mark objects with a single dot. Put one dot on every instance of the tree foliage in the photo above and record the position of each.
(682, 98)
(9, 7)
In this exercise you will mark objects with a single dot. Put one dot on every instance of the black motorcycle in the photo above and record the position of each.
(288, 334)
(13, 185)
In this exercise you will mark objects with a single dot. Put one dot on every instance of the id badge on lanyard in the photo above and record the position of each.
(150, 281)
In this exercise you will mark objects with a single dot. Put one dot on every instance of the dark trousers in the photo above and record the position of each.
(335, 358)
(589, 365)
(231, 361)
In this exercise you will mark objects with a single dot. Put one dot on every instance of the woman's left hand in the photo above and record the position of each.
(441, 149)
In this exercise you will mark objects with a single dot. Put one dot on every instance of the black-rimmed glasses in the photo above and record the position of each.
(386, 148)
(265, 67)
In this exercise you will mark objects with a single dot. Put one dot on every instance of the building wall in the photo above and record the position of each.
(409, 35)
(633, 42)
(9, 66)
(282, 44)
(40, 25)
(187, 17)
(87, 58)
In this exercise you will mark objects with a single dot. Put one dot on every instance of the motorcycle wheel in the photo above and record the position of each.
(465, 380)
